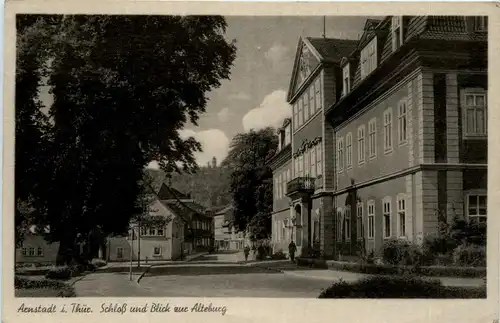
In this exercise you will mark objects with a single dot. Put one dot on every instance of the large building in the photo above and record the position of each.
(388, 135)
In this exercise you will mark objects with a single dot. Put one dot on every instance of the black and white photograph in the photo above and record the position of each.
(224, 156)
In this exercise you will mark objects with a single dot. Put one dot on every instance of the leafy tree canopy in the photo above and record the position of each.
(251, 180)
(122, 87)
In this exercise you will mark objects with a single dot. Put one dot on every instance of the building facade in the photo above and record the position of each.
(400, 133)
(227, 237)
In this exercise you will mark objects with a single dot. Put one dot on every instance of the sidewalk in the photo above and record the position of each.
(333, 275)
(125, 265)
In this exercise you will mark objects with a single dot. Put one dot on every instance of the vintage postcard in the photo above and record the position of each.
(250, 161)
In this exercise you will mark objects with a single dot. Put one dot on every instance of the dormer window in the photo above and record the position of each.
(346, 81)
(288, 137)
(369, 58)
(481, 24)
(397, 32)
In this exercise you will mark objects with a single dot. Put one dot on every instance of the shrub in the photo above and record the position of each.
(280, 255)
(62, 273)
(399, 287)
(469, 255)
(98, 263)
(437, 271)
(63, 290)
(402, 252)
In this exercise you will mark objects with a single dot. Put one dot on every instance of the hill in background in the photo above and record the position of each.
(208, 187)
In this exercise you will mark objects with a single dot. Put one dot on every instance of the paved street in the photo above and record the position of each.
(231, 281)
(223, 275)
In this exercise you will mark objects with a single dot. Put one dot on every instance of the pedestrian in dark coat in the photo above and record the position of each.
(292, 248)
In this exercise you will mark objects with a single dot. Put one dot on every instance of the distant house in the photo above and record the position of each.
(188, 228)
(227, 237)
(35, 249)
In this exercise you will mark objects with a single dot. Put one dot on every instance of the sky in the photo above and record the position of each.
(255, 96)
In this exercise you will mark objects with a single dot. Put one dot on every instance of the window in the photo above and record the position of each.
(477, 208)
(283, 230)
(369, 58)
(361, 144)
(480, 24)
(25, 251)
(152, 231)
(313, 161)
(39, 252)
(301, 116)
(160, 232)
(295, 116)
(279, 186)
(347, 221)
(144, 231)
(388, 130)
(346, 80)
(372, 138)
(386, 209)
(401, 216)
(339, 224)
(31, 252)
(371, 219)
(119, 253)
(311, 100)
(157, 251)
(288, 138)
(359, 220)
(317, 89)
(319, 166)
(397, 33)
(285, 180)
(340, 154)
(288, 177)
(305, 98)
(296, 167)
(301, 165)
(402, 122)
(475, 112)
(306, 163)
(348, 150)
(276, 187)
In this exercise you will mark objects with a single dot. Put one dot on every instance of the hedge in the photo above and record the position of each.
(311, 262)
(399, 287)
(64, 290)
(437, 271)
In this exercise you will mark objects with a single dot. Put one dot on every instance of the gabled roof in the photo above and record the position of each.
(170, 193)
(332, 50)
(325, 50)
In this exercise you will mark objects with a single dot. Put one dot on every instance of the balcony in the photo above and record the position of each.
(300, 185)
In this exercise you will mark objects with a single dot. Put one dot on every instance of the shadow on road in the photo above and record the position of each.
(208, 270)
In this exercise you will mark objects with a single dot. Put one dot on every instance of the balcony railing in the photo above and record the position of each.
(300, 184)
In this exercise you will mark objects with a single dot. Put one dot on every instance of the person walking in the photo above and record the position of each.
(246, 251)
(291, 250)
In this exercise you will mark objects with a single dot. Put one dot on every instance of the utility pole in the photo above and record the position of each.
(131, 253)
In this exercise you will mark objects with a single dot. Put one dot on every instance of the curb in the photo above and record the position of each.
(77, 280)
(142, 275)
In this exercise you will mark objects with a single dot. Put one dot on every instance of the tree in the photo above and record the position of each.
(123, 86)
(251, 180)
